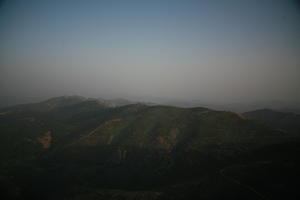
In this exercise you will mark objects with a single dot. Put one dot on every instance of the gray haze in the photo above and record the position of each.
(205, 51)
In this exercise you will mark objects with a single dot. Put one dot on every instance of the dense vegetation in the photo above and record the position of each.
(76, 148)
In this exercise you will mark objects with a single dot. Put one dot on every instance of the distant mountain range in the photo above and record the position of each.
(73, 147)
(240, 107)
(6, 101)
(275, 119)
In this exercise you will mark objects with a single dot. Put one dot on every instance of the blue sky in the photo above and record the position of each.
(188, 49)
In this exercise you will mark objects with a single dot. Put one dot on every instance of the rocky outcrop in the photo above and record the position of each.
(45, 140)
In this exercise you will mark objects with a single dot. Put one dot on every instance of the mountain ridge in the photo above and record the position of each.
(288, 121)
(81, 143)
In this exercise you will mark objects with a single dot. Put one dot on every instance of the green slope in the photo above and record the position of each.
(70, 147)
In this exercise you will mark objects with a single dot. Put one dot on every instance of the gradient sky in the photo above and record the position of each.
(231, 51)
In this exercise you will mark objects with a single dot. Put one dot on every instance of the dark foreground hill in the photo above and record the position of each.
(77, 148)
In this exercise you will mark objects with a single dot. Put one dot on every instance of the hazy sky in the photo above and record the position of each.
(183, 49)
